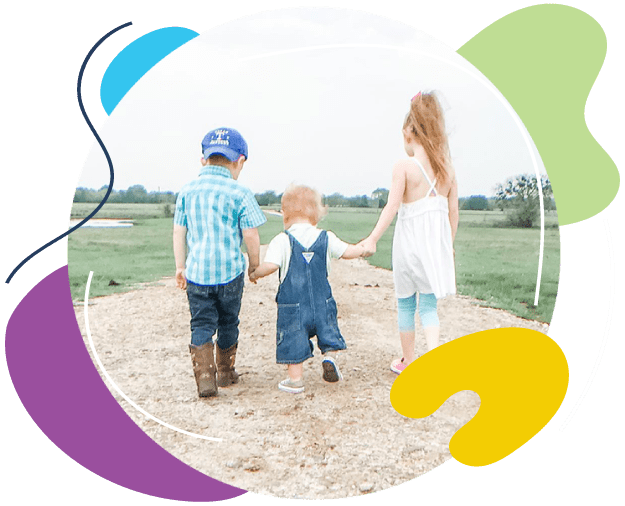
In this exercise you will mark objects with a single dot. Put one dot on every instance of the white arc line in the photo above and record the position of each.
(142, 411)
(542, 235)
(607, 328)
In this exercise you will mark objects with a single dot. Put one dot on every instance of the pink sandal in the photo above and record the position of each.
(397, 365)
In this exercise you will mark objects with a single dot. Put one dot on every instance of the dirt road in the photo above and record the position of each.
(335, 440)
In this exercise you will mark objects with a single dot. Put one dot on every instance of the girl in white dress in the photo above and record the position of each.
(424, 196)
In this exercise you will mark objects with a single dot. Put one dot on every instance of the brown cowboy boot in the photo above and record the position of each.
(226, 374)
(204, 369)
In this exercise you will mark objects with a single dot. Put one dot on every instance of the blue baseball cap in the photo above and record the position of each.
(224, 141)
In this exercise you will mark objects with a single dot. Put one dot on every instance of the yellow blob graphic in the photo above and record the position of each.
(520, 375)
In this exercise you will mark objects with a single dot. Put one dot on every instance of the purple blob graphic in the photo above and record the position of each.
(62, 391)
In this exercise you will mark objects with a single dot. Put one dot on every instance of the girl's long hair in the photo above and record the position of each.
(425, 122)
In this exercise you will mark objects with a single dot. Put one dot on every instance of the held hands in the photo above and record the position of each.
(361, 250)
(369, 247)
(260, 271)
(181, 280)
(252, 274)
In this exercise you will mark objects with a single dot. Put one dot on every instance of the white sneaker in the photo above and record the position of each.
(293, 387)
(331, 371)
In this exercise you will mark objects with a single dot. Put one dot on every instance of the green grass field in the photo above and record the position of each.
(496, 265)
(124, 211)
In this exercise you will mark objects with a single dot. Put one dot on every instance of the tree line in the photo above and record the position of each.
(377, 199)
(136, 194)
(518, 197)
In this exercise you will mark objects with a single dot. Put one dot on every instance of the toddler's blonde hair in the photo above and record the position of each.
(299, 201)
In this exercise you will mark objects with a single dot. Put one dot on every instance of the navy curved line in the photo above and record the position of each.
(106, 154)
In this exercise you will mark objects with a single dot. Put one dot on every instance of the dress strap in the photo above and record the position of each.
(431, 183)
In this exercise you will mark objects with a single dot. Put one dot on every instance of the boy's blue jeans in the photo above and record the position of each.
(213, 309)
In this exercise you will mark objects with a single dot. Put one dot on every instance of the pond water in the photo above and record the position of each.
(103, 223)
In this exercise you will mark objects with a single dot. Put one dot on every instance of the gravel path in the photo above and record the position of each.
(335, 440)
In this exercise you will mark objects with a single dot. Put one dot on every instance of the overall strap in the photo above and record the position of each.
(307, 254)
(293, 244)
(291, 238)
(431, 183)
(321, 236)
(320, 241)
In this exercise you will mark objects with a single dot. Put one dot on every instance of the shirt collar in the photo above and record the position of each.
(215, 170)
(300, 226)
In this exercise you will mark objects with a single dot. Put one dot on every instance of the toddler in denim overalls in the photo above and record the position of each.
(306, 307)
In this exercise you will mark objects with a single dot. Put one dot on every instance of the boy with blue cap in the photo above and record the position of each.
(214, 214)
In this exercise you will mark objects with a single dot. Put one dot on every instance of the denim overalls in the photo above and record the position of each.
(305, 305)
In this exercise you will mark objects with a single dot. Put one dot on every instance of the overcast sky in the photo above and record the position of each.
(317, 103)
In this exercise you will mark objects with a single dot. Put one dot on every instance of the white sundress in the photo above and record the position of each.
(423, 254)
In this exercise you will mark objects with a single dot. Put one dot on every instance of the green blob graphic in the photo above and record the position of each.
(544, 60)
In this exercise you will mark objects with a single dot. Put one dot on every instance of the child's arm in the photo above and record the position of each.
(341, 249)
(275, 257)
(180, 254)
(252, 243)
(353, 251)
(395, 196)
(263, 270)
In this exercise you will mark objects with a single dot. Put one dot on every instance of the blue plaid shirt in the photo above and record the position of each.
(215, 209)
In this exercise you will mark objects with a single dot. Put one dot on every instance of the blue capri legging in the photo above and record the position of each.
(407, 307)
